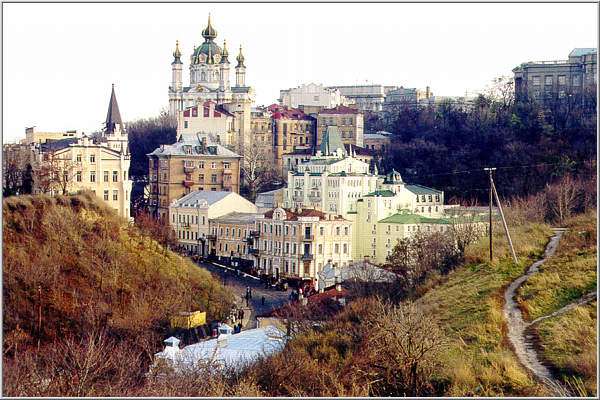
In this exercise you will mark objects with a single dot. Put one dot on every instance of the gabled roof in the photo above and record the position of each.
(211, 148)
(54, 145)
(419, 189)
(237, 217)
(113, 116)
(192, 199)
(305, 212)
(403, 218)
(331, 141)
(581, 51)
(381, 193)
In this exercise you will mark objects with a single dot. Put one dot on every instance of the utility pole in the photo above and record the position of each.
(490, 170)
(512, 249)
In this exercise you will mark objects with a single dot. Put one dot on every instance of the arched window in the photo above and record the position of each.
(203, 76)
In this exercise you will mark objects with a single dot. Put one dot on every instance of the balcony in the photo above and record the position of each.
(308, 238)
(255, 234)
(211, 237)
(307, 257)
(188, 183)
(253, 251)
(188, 169)
(227, 171)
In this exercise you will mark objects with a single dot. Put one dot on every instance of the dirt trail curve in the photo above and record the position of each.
(521, 342)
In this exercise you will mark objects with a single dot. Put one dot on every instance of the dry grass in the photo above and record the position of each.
(469, 308)
(568, 275)
(568, 342)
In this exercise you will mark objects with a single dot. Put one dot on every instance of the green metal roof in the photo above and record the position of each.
(380, 193)
(419, 189)
(403, 218)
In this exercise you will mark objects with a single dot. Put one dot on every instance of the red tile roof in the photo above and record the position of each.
(340, 110)
(287, 113)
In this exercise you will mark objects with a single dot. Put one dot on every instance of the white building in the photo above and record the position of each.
(366, 97)
(312, 95)
(189, 216)
(228, 350)
(210, 80)
(332, 181)
(208, 118)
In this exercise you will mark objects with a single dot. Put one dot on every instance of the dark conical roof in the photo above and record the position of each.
(114, 116)
(331, 141)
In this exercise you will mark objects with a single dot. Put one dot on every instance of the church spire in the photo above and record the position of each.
(177, 53)
(240, 58)
(209, 33)
(224, 53)
(113, 117)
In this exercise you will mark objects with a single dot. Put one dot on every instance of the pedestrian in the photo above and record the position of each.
(262, 300)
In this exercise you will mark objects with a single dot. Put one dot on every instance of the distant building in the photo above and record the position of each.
(15, 158)
(379, 141)
(543, 81)
(231, 238)
(366, 97)
(349, 122)
(100, 165)
(298, 243)
(187, 165)
(312, 95)
(266, 201)
(31, 136)
(190, 216)
(330, 181)
(210, 119)
(210, 70)
(402, 97)
(292, 160)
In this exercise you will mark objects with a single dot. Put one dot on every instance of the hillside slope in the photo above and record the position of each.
(76, 274)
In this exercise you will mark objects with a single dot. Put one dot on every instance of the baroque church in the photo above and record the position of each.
(210, 82)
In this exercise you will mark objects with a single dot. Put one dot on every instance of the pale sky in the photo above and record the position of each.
(59, 60)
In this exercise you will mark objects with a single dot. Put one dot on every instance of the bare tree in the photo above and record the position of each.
(258, 168)
(55, 173)
(563, 198)
(404, 345)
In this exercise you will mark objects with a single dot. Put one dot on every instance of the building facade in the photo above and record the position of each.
(208, 119)
(210, 80)
(331, 181)
(312, 96)
(380, 141)
(100, 165)
(544, 81)
(190, 217)
(231, 239)
(350, 123)
(365, 97)
(189, 165)
(31, 136)
(299, 243)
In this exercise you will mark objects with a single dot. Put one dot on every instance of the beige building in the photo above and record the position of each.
(190, 216)
(350, 123)
(299, 243)
(379, 141)
(189, 165)
(231, 238)
(31, 136)
(100, 165)
(210, 119)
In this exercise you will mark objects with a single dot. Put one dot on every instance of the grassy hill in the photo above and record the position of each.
(76, 277)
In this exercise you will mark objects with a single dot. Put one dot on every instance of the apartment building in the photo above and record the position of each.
(366, 97)
(350, 123)
(100, 165)
(209, 119)
(190, 164)
(312, 96)
(34, 137)
(190, 217)
(231, 239)
(380, 141)
(545, 81)
(298, 243)
(330, 181)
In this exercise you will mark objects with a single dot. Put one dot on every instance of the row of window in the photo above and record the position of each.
(429, 198)
(280, 248)
(549, 80)
(213, 165)
(268, 228)
(188, 219)
(106, 175)
(115, 195)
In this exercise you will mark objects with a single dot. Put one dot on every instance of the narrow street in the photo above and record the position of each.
(238, 284)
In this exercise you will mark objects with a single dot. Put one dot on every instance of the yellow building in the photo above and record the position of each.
(231, 237)
(350, 123)
(100, 165)
(33, 137)
(190, 164)
(190, 216)
(299, 243)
